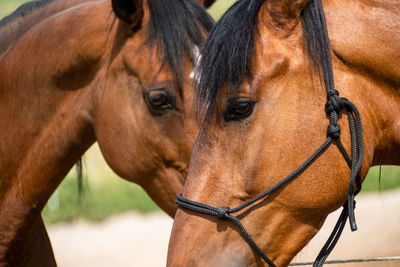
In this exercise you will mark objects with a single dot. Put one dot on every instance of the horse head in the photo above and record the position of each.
(143, 119)
(261, 94)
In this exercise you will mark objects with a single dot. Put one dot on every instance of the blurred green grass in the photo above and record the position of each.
(219, 7)
(8, 6)
(103, 194)
(96, 203)
(381, 179)
(106, 194)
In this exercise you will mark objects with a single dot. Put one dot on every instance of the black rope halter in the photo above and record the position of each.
(333, 108)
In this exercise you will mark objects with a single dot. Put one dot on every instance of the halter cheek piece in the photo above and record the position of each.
(334, 106)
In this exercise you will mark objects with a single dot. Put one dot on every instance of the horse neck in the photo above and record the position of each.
(15, 29)
(365, 42)
(40, 145)
(49, 82)
(46, 96)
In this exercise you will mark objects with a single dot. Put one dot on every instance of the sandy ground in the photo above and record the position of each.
(136, 240)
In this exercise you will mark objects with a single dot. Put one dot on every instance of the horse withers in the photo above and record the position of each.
(75, 72)
(262, 94)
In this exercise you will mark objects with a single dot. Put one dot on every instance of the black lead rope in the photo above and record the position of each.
(333, 108)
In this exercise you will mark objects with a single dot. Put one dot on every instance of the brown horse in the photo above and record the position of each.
(75, 72)
(262, 94)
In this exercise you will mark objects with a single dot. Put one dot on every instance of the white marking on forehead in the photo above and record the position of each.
(197, 57)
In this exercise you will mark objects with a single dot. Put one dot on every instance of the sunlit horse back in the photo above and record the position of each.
(75, 72)
(262, 95)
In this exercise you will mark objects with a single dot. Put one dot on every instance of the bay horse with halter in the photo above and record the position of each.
(78, 71)
(272, 159)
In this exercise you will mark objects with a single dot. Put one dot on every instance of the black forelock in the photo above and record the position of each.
(226, 56)
(176, 28)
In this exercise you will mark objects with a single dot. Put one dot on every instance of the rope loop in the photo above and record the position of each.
(334, 131)
(223, 213)
(346, 205)
(354, 203)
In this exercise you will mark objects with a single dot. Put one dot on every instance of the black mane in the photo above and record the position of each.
(176, 28)
(227, 54)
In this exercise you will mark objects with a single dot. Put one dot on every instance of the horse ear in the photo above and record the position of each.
(207, 3)
(129, 11)
(283, 12)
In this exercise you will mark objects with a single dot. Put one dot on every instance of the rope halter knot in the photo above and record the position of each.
(334, 102)
(333, 107)
(222, 213)
(334, 131)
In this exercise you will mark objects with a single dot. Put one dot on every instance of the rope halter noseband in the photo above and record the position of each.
(334, 106)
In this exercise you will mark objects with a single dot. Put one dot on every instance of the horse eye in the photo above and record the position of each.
(160, 100)
(238, 109)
